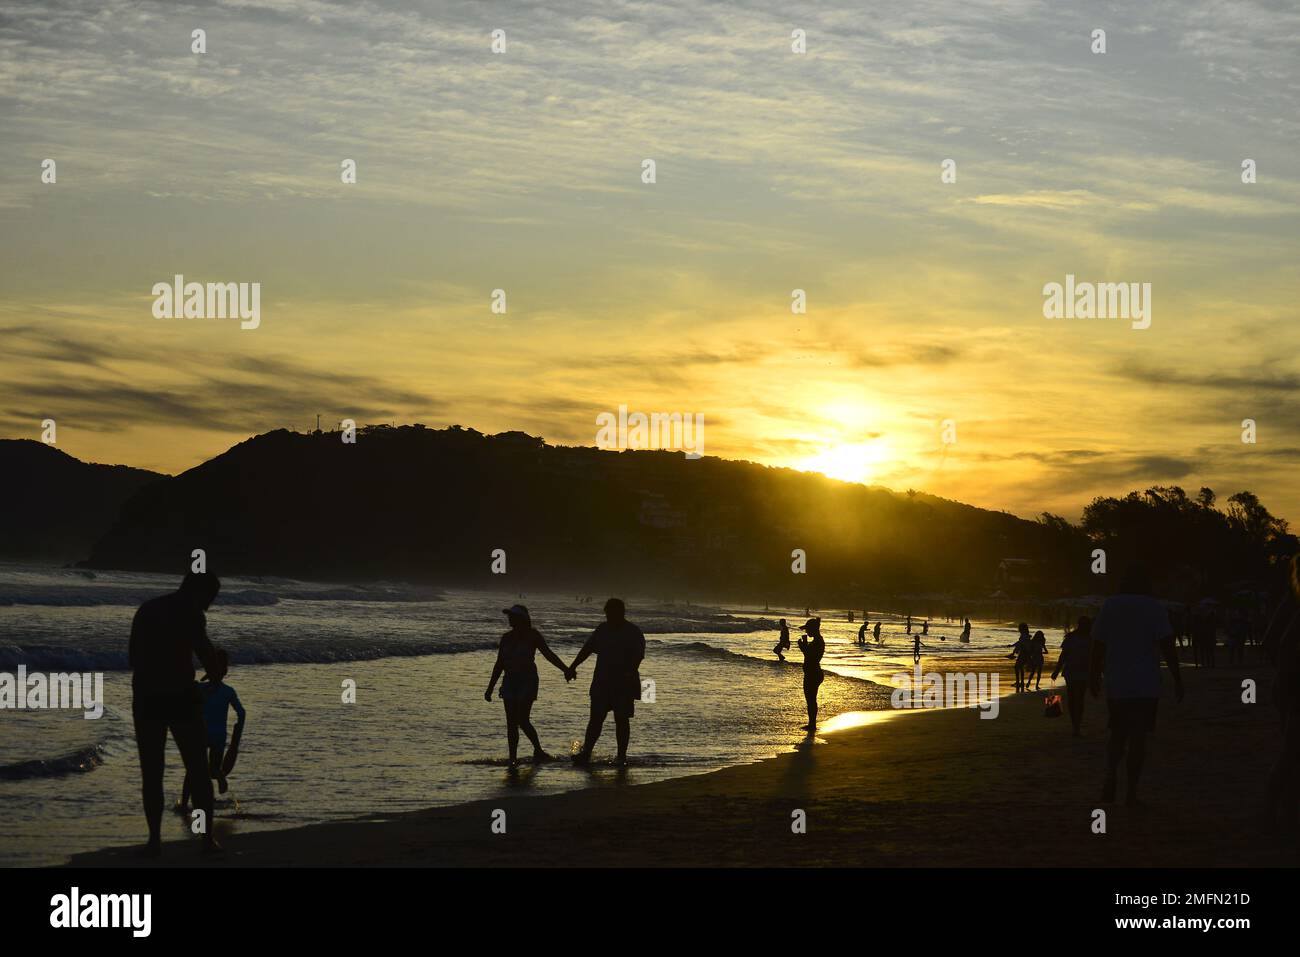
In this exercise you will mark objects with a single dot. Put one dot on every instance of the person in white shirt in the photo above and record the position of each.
(1129, 637)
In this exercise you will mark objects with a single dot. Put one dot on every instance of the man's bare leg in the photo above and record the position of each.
(192, 741)
(151, 743)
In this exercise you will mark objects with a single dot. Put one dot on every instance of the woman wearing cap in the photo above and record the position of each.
(813, 647)
(515, 658)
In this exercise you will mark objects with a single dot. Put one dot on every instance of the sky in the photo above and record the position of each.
(774, 171)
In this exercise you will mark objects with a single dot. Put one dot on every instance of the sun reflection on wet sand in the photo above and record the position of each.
(853, 719)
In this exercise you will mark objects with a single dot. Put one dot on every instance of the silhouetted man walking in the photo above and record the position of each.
(619, 647)
(1131, 634)
(166, 634)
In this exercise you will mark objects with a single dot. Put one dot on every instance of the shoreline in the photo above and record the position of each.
(946, 788)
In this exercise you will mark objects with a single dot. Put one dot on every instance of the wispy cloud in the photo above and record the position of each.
(775, 171)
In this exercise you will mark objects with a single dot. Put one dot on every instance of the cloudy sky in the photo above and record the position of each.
(775, 171)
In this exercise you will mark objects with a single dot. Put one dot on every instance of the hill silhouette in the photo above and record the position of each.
(425, 505)
(432, 505)
(57, 506)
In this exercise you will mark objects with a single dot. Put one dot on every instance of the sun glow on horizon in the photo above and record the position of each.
(848, 462)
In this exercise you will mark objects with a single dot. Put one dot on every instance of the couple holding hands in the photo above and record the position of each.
(619, 647)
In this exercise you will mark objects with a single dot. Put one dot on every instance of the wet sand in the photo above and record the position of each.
(916, 789)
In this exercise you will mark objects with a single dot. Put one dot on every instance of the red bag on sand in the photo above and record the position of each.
(1052, 706)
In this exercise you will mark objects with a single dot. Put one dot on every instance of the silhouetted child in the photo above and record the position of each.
(1034, 660)
(218, 698)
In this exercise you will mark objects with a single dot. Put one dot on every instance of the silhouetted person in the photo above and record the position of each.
(619, 647)
(1130, 634)
(166, 634)
(1076, 654)
(862, 633)
(1281, 645)
(516, 660)
(916, 649)
(218, 699)
(782, 642)
(925, 627)
(813, 647)
(876, 632)
(909, 624)
(1238, 634)
(1020, 652)
(965, 631)
(1034, 664)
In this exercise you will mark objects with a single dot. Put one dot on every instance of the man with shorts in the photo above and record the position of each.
(619, 647)
(166, 634)
(1130, 634)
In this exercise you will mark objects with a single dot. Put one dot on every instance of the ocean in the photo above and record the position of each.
(419, 733)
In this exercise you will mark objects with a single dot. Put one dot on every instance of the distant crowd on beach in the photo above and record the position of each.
(1119, 655)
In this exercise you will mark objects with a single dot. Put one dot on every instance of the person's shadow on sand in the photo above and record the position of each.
(797, 772)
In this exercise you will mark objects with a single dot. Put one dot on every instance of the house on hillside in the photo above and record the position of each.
(1018, 575)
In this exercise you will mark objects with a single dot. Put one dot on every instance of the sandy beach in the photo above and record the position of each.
(923, 788)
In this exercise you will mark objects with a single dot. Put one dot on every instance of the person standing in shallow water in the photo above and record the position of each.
(515, 660)
(1020, 652)
(813, 647)
(783, 641)
(619, 647)
(166, 635)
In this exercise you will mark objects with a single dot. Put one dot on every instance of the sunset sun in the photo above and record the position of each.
(848, 462)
